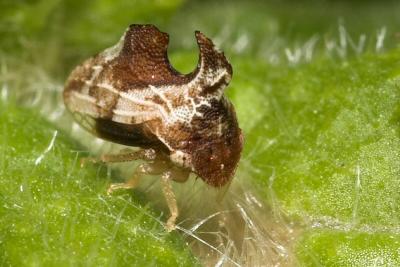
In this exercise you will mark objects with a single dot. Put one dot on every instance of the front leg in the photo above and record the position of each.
(171, 200)
(143, 154)
(178, 175)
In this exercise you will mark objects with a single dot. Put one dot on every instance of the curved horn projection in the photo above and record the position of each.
(213, 68)
(146, 49)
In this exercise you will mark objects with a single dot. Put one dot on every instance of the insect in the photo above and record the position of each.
(131, 95)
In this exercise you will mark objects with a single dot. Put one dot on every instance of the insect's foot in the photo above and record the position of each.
(85, 160)
(117, 186)
(170, 225)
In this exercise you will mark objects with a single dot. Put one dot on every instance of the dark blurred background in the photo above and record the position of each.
(58, 34)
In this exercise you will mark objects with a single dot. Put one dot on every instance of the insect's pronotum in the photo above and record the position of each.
(131, 95)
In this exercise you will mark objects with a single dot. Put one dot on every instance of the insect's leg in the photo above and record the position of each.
(152, 168)
(144, 154)
(178, 175)
(140, 170)
(171, 200)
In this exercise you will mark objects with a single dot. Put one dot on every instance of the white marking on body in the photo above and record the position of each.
(84, 97)
(114, 51)
(194, 109)
(181, 113)
(193, 83)
(210, 76)
(164, 141)
(96, 71)
(108, 87)
(219, 126)
(84, 104)
(132, 96)
(162, 96)
(181, 158)
(87, 83)
(130, 113)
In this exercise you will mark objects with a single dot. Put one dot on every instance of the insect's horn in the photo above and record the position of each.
(213, 68)
(144, 53)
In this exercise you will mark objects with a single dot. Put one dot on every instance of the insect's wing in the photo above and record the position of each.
(138, 135)
(115, 84)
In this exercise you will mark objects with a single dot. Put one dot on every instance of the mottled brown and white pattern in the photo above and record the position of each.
(130, 94)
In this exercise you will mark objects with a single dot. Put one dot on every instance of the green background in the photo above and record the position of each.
(316, 87)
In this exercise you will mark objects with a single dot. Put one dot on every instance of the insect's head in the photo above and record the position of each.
(215, 157)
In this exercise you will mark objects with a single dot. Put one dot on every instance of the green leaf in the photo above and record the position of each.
(316, 88)
(333, 129)
(327, 143)
(336, 248)
(53, 212)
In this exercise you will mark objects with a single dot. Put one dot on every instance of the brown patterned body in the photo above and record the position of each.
(130, 94)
